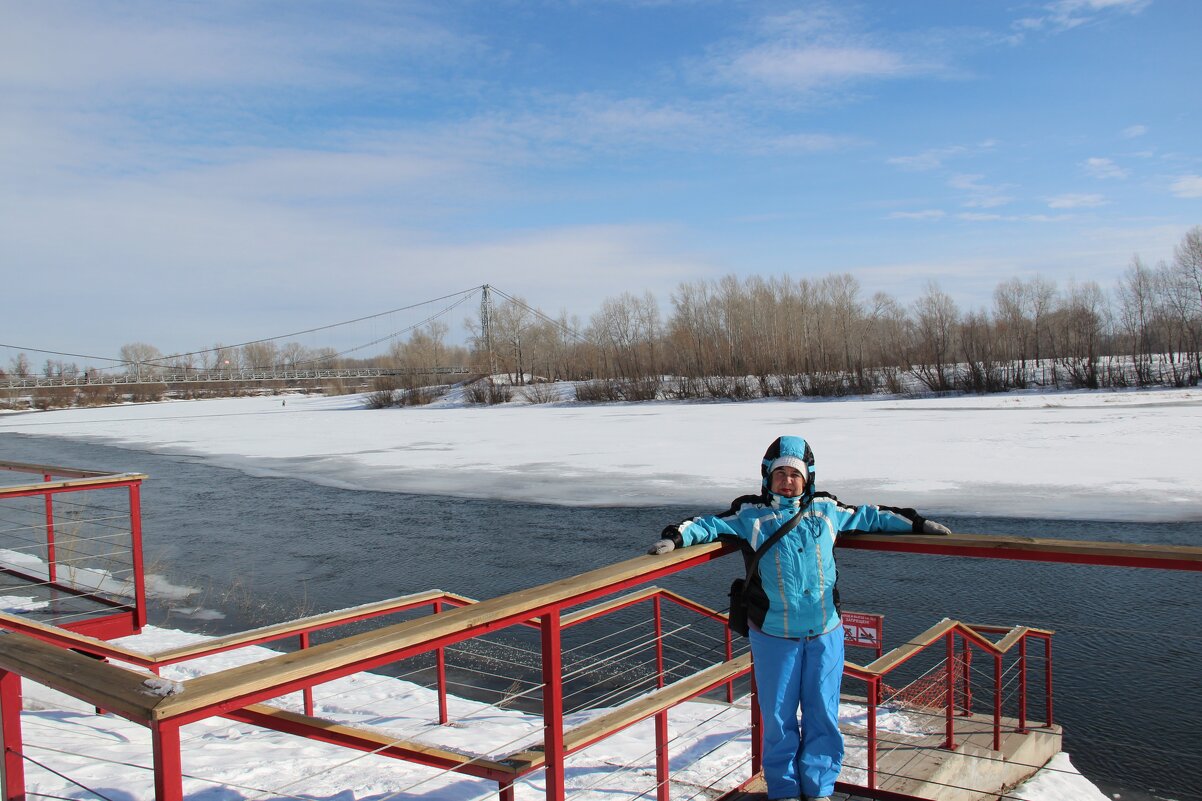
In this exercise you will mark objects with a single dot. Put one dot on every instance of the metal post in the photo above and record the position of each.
(997, 702)
(440, 666)
(662, 786)
(1048, 676)
(135, 544)
(949, 741)
(757, 728)
(552, 705)
(730, 654)
(51, 558)
(966, 657)
(12, 767)
(874, 695)
(659, 641)
(168, 769)
(661, 718)
(307, 692)
(1022, 685)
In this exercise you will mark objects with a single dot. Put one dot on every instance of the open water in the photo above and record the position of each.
(257, 550)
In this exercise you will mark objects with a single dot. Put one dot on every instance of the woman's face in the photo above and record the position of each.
(787, 481)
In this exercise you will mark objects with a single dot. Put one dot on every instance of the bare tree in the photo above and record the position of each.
(260, 355)
(1078, 327)
(936, 320)
(141, 359)
(1136, 312)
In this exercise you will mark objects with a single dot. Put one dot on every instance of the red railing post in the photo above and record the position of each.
(12, 766)
(552, 705)
(307, 693)
(51, 557)
(874, 699)
(997, 702)
(1022, 685)
(949, 725)
(135, 544)
(966, 662)
(440, 663)
(757, 729)
(661, 718)
(730, 654)
(1048, 676)
(659, 641)
(168, 769)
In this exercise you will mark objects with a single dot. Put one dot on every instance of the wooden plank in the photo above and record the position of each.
(43, 470)
(362, 739)
(281, 630)
(637, 710)
(72, 639)
(1119, 554)
(608, 606)
(94, 482)
(904, 652)
(256, 681)
(112, 688)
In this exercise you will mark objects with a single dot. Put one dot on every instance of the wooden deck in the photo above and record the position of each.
(917, 765)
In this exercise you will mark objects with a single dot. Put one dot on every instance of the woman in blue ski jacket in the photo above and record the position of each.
(793, 609)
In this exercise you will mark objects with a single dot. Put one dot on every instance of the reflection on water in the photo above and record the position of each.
(258, 550)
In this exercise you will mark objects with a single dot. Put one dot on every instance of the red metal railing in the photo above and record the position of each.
(92, 538)
(955, 673)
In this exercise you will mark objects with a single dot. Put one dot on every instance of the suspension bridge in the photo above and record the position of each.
(324, 365)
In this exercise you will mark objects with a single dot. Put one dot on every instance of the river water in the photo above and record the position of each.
(258, 550)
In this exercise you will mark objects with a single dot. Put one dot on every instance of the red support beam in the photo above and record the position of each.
(10, 737)
(553, 745)
(168, 769)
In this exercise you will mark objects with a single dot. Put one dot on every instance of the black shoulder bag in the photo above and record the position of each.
(737, 614)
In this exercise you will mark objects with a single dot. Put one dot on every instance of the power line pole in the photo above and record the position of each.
(486, 327)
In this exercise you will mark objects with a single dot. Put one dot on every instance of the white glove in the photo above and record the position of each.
(662, 547)
(931, 527)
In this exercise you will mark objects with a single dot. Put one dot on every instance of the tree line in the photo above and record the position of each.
(781, 336)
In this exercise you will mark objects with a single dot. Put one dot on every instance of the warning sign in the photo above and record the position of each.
(863, 629)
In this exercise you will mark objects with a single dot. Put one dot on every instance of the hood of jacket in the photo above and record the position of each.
(787, 446)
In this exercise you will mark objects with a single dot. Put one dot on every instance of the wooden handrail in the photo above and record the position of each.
(92, 481)
(257, 681)
(98, 683)
(50, 470)
(934, 634)
(1039, 549)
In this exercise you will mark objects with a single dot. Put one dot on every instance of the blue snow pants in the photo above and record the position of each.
(800, 760)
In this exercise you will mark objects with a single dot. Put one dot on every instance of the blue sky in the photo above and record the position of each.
(185, 173)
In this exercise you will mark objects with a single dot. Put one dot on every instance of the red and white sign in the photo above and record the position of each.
(861, 628)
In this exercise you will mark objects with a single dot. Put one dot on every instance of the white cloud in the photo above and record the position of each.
(980, 195)
(927, 214)
(1105, 168)
(1076, 201)
(1188, 186)
(1063, 15)
(1133, 131)
(810, 50)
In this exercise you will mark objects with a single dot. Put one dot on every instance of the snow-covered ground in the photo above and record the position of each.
(1086, 455)
(1110, 456)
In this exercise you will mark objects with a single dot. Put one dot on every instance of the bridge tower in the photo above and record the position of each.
(486, 327)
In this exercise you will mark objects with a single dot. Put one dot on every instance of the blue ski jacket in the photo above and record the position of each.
(793, 593)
